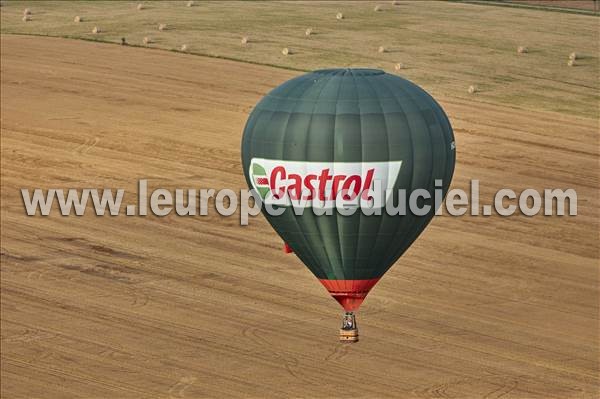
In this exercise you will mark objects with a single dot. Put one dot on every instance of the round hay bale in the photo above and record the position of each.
(381, 49)
(27, 11)
(522, 50)
(286, 51)
(184, 47)
(140, 6)
(573, 56)
(472, 89)
(571, 63)
(162, 27)
(395, 3)
(339, 16)
(77, 19)
(190, 3)
(26, 18)
(399, 66)
(146, 41)
(245, 40)
(377, 8)
(96, 30)
(308, 31)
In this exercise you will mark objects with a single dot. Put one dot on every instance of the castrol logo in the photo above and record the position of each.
(321, 184)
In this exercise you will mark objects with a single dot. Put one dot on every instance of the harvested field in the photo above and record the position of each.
(437, 53)
(115, 307)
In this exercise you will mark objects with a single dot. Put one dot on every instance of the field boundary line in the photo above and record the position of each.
(173, 50)
(528, 6)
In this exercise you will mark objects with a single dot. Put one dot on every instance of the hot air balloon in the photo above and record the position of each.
(334, 133)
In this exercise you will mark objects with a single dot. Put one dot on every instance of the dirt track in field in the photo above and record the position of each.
(587, 5)
(201, 307)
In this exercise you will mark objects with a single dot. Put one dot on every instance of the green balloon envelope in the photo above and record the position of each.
(333, 134)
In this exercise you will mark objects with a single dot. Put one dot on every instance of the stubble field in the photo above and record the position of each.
(202, 307)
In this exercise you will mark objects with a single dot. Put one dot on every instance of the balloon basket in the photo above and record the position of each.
(349, 330)
(349, 336)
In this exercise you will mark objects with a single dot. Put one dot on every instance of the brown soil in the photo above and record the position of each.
(113, 307)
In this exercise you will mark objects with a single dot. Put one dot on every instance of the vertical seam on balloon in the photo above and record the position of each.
(270, 120)
(449, 171)
(306, 157)
(446, 143)
(249, 141)
(360, 216)
(416, 221)
(306, 147)
(389, 258)
(431, 183)
(335, 213)
(439, 132)
(383, 259)
(387, 141)
(291, 208)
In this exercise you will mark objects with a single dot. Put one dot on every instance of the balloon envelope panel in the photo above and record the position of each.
(342, 119)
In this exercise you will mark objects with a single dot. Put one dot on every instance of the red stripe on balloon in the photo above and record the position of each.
(349, 293)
